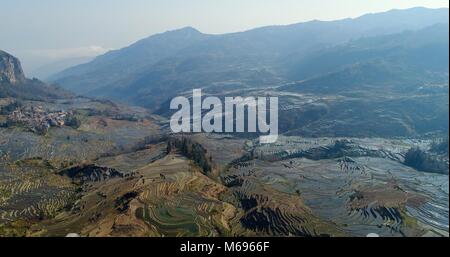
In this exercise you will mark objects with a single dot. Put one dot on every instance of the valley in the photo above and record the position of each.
(362, 146)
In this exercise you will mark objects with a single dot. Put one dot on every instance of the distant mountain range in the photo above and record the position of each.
(157, 68)
(49, 69)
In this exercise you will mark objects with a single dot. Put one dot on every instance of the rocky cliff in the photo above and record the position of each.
(10, 69)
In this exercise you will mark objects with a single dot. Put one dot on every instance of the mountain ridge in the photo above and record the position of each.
(185, 58)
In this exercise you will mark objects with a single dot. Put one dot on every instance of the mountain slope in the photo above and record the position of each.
(399, 63)
(425, 47)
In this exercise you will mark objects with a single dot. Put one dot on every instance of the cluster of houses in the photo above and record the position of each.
(37, 119)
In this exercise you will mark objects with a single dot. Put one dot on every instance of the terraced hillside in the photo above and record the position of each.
(298, 187)
(35, 182)
(169, 197)
(360, 185)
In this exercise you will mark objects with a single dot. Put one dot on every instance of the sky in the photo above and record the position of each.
(47, 31)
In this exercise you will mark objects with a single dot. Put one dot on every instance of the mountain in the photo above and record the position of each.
(157, 68)
(113, 67)
(13, 82)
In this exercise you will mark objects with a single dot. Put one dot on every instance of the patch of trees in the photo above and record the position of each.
(191, 150)
(72, 121)
(424, 161)
(90, 173)
(123, 203)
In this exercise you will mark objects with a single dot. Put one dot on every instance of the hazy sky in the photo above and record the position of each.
(50, 30)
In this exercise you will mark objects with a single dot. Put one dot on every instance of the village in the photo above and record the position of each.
(37, 120)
